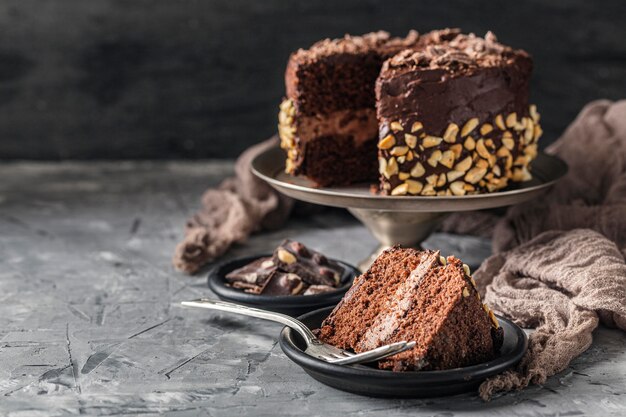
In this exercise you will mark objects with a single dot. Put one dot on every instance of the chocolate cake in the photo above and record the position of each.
(327, 122)
(450, 111)
(293, 269)
(454, 118)
(417, 296)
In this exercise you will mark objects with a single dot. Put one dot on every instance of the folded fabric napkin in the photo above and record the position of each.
(238, 207)
(559, 261)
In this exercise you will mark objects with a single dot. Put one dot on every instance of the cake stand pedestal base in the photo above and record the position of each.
(406, 220)
(406, 228)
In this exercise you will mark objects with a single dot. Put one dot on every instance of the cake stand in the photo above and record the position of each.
(405, 220)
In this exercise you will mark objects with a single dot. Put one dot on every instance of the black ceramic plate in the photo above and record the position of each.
(293, 305)
(365, 380)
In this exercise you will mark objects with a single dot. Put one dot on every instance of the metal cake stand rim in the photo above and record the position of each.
(269, 165)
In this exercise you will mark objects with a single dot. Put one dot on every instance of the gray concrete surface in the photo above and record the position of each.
(90, 321)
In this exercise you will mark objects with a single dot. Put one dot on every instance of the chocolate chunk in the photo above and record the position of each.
(318, 289)
(314, 269)
(283, 283)
(255, 273)
(249, 288)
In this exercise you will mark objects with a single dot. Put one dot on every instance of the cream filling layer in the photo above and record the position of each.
(360, 124)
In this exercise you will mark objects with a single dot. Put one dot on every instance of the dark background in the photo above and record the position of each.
(115, 79)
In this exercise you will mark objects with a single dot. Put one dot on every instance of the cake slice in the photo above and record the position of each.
(416, 296)
(455, 118)
(327, 122)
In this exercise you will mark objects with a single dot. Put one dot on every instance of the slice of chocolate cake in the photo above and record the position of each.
(327, 122)
(418, 296)
(454, 118)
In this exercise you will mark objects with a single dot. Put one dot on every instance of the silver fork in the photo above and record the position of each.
(315, 347)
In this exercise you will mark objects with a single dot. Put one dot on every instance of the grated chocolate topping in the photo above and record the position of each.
(462, 50)
(380, 42)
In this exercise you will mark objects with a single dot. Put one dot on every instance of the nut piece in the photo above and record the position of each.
(475, 174)
(529, 133)
(410, 140)
(404, 175)
(481, 149)
(382, 165)
(473, 282)
(400, 189)
(453, 175)
(285, 256)
(457, 149)
(500, 122)
(395, 126)
(466, 269)
(531, 151)
(430, 141)
(482, 163)
(432, 179)
(391, 169)
(511, 120)
(442, 261)
(447, 159)
(416, 126)
(538, 132)
(418, 170)
(441, 181)
(470, 143)
(401, 159)
(451, 132)
(399, 150)
(435, 157)
(521, 174)
(387, 142)
(457, 188)
(409, 156)
(493, 319)
(414, 187)
(465, 292)
(533, 113)
(486, 128)
(428, 190)
(469, 126)
(508, 143)
(464, 165)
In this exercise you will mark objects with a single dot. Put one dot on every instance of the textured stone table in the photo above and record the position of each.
(90, 321)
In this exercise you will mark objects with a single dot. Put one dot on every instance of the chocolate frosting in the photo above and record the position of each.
(452, 82)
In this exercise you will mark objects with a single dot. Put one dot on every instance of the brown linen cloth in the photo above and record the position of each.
(559, 262)
(238, 207)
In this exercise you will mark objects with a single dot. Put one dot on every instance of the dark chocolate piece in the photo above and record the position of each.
(283, 283)
(247, 287)
(313, 267)
(318, 289)
(255, 273)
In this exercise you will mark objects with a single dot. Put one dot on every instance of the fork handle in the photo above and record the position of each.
(255, 312)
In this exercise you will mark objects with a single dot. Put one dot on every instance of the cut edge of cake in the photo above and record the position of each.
(416, 296)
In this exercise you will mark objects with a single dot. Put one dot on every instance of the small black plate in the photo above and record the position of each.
(293, 305)
(373, 382)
